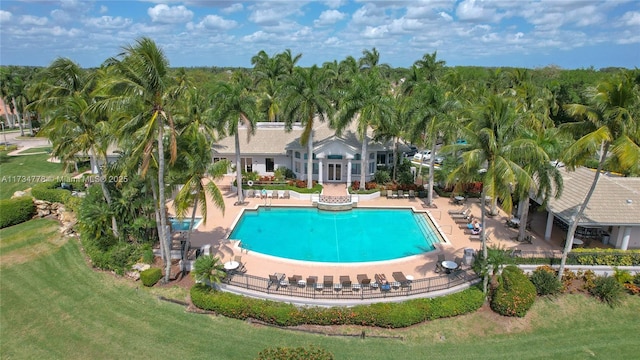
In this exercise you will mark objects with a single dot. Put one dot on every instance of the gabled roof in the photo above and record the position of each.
(615, 201)
(272, 139)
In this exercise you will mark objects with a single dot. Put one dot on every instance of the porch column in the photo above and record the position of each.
(549, 227)
(320, 177)
(348, 172)
(625, 238)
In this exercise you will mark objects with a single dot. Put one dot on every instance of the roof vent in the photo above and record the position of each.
(629, 201)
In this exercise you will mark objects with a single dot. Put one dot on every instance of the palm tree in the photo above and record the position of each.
(307, 98)
(368, 102)
(74, 127)
(288, 61)
(493, 153)
(196, 160)
(434, 114)
(609, 125)
(139, 90)
(547, 177)
(268, 74)
(208, 269)
(235, 105)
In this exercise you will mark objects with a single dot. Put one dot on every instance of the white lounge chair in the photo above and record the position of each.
(280, 194)
(270, 194)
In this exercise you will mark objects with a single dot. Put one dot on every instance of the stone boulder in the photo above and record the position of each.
(18, 194)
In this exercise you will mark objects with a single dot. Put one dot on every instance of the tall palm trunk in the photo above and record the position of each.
(363, 162)
(165, 236)
(8, 117)
(431, 174)
(395, 157)
(576, 218)
(524, 214)
(156, 208)
(239, 169)
(310, 160)
(18, 116)
(107, 196)
(187, 244)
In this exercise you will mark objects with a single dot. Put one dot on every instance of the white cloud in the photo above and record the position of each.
(5, 16)
(170, 15)
(216, 22)
(103, 9)
(368, 14)
(232, 8)
(445, 16)
(329, 17)
(473, 10)
(333, 41)
(266, 16)
(631, 18)
(33, 20)
(258, 36)
(108, 22)
(61, 16)
(334, 4)
(372, 32)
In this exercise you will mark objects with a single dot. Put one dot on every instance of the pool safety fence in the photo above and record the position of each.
(302, 289)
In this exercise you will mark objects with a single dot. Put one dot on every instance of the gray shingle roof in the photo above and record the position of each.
(272, 139)
(615, 201)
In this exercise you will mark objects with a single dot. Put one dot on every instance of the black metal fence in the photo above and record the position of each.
(303, 289)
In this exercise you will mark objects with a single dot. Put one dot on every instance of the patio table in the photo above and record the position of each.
(449, 265)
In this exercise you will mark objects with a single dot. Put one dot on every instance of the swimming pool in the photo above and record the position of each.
(183, 225)
(357, 235)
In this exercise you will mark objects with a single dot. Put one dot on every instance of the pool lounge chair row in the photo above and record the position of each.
(280, 194)
(345, 284)
(401, 194)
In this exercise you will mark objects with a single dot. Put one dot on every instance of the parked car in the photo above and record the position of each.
(412, 151)
(422, 156)
(439, 159)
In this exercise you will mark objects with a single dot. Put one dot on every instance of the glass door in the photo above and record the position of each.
(334, 172)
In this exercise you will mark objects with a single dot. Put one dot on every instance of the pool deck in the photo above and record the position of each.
(217, 225)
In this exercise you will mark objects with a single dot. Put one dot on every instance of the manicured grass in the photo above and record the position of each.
(54, 306)
(27, 241)
(36, 150)
(22, 172)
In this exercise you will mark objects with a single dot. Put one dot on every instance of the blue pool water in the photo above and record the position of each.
(183, 225)
(357, 235)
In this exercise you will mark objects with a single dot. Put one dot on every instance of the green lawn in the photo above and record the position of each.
(22, 172)
(55, 306)
(36, 150)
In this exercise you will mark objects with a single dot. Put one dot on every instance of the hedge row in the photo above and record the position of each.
(49, 191)
(15, 211)
(514, 295)
(610, 257)
(387, 315)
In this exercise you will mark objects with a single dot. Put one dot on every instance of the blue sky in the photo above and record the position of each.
(566, 33)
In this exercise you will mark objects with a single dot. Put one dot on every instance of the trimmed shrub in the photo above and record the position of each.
(514, 295)
(388, 315)
(299, 353)
(608, 290)
(545, 280)
(49, 191)
(150, 276)
(16, 211)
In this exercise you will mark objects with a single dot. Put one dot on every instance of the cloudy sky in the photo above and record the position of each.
(566, 33)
